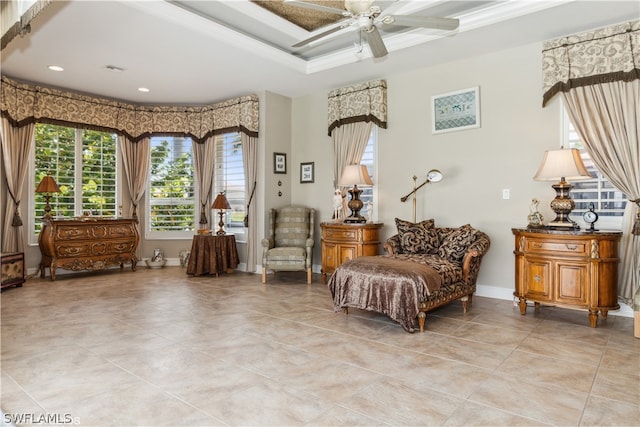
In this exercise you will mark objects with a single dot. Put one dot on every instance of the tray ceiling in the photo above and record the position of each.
(198, 52)
(304, 18)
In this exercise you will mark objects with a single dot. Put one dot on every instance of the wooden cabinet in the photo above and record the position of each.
(576, 269)
(342, 241)
(88, 244)
(12, 269)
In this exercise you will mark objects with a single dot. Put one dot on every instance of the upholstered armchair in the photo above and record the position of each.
(289, 246)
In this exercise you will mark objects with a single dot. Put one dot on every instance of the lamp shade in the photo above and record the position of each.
(48, 185)
(560, 165)
(355, 175)
(221, 202)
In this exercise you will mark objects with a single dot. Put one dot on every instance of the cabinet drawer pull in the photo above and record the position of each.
(537, 278)
(536, 244)
(572, 247)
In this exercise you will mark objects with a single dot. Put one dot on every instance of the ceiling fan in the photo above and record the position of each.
(363, 15)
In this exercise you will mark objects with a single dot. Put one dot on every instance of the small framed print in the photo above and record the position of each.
(457, 110)
(306, 172)
(279, 163)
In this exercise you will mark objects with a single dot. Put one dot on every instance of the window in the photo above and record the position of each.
(83, 163)
(229, 178)
(608, 202)
(173, 211)
(171, 191)
(369, 160)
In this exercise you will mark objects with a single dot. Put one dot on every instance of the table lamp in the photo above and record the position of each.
(355, 175)
(221, 203)
(47, 186)
(562, 165)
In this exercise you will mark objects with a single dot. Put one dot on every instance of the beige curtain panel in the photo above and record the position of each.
(24, 103)
(601, 56)
(136, 158)
(16, 147)
(364, 102)
(204, 157)
(597, 73)
(349, 143)
(250, 165)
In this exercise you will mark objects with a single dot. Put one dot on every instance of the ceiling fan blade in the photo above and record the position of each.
(422, 21)
(342, 24)
(318, 7)
(374, 39)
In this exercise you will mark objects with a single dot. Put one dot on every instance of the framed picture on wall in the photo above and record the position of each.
(306, 172)
(457, 110)
(279, 163)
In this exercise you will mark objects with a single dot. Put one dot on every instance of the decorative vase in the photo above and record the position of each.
(184, 257)
(535, 218)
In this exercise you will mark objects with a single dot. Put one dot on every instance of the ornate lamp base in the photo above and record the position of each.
(221, 231)
(355, 205)
(562, 205)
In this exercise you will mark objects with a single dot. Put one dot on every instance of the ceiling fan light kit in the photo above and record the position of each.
(367, 17)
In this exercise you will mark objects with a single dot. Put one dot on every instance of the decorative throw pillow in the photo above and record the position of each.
(417, 238)
(455, 244)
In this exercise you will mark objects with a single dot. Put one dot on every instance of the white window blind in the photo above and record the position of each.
(369, 160)
(229, 178)
(83, 164)
(99, 184)
(171, 192)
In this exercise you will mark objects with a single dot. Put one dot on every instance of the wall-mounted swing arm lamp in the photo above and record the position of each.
(434, 175)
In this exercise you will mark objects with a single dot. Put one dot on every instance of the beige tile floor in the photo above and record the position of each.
(158, 347)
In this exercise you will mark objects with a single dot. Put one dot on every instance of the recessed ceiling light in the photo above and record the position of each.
(55, 68)
(114, 68)
(143, 89)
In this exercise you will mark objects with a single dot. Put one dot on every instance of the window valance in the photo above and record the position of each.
(24, 103)
(364, 102)
(604, 55)
(14, 24)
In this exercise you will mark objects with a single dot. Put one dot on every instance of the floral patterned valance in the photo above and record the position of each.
(365, 102)
(24, 103)
(604, 55)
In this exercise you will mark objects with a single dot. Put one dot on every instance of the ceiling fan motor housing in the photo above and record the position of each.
(358, 7)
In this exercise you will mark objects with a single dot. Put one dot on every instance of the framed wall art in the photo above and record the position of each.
(306, 172)
(279, 163)
(454, 111)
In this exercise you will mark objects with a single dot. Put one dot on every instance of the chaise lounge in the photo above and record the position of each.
(426, 267)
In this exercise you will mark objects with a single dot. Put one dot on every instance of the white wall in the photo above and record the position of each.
(477, 164)
(276, 129)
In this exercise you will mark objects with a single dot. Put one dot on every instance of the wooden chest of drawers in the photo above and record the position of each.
(342, 241)
(88, 244)
(576, 269)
